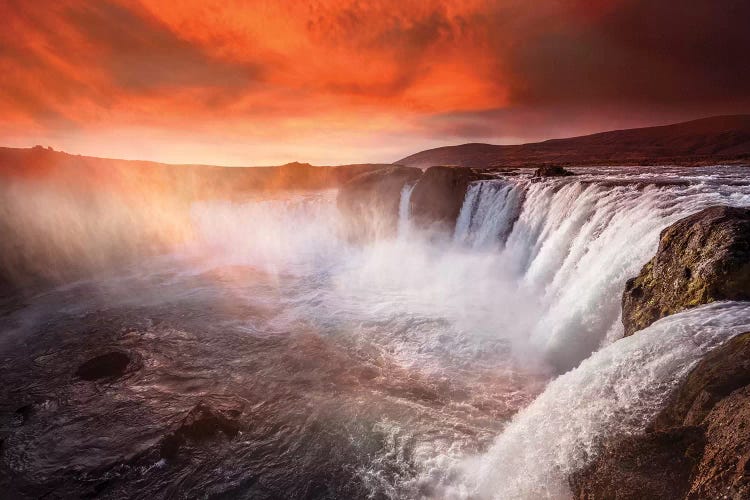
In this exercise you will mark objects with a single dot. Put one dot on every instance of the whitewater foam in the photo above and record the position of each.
(532, 277)
(617, 391)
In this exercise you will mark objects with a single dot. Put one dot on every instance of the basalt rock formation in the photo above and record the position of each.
(370, 202)
(203, 422)
(702, 258)
(438, 195)
(697, 447)
(552, 171)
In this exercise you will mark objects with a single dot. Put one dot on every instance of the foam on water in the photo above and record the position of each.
(617, 391)
(534, 267)
(541, 265)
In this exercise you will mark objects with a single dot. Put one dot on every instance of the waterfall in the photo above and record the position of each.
(618, 390)
(404, 210)
(488, 213)
(570, 245)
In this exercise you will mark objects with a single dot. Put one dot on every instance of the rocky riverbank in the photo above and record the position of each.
(699, 445)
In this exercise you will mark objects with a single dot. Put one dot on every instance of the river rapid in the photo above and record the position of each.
(479, 364)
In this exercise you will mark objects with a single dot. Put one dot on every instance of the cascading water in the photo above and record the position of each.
(392, 368)
(404, 207)
(532, 277)
(617, 391)
(569, 246)
(488, 213)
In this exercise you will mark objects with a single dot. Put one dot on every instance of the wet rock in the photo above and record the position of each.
(552, 171)
(203, 422)
(22, 415)
(657, 465)
(109, 365)
(720, 372)
(438, 195)
(702, 258)
(370, 202)
(697, 447)
(724, 469)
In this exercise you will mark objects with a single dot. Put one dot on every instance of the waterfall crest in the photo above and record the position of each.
(571, 245)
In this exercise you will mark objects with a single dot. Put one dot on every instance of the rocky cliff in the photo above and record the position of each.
(370, 202)
(702, 258)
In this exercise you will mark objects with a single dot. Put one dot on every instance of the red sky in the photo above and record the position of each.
(339, 81)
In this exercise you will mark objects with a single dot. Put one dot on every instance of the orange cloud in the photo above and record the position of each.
(346, 80)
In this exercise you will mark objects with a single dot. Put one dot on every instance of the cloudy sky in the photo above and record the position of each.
(339, 81)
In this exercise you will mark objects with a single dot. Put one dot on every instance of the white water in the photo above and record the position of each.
(488, 214)
(618, 390)
(535, 267)
(404, 211)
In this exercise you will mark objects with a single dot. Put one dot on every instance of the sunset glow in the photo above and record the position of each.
(338, 81)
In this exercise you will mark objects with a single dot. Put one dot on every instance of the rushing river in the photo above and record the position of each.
(479, 364)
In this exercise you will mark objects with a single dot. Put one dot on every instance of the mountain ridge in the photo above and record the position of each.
(724, 138)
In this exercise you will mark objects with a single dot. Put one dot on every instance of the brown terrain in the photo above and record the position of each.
(720, 139)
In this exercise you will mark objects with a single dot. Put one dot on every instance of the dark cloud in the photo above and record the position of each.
(286, 72)
(639, 52)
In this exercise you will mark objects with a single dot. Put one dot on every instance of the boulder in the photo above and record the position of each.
(438, 196)
(552, 171)
(720, 372)
(702, 258)
(109, 365)
(370, 202)
(203, 422)
(656, 465)
(697, 447)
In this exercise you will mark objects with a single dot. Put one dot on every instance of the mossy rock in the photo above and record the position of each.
(701, 259)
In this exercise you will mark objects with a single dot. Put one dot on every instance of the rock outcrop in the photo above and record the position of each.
(438, 195)
(370, 202)
(552, 171)
(702, 258)
(697, 447)
(656, 465)
(203, 422)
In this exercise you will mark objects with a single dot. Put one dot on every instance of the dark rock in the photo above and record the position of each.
(724, 469)
(716, 376)
(22, 415)
(552, 171)
(112, 364)
(657, 465)
(370, 202)
(203, 422)
(697, 447)
(702, 258)
(438, 195)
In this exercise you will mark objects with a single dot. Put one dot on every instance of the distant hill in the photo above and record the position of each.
(78, 172)
(697, 142)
